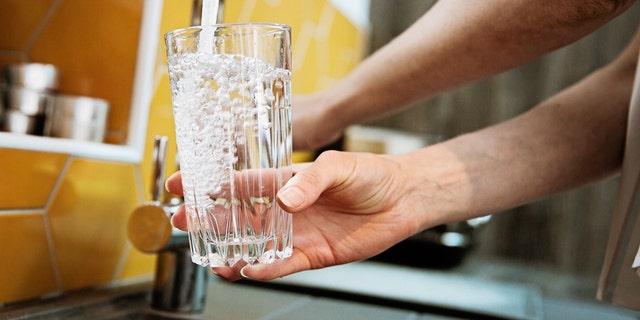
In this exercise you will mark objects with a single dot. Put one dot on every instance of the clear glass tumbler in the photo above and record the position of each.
(231, 92)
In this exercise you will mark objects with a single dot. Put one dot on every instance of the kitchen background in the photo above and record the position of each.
(63, 218)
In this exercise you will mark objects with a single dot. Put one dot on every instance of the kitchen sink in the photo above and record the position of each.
(363, 290)
(98, 303)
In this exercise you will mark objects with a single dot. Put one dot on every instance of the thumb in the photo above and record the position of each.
(300, 192)
(304, 188)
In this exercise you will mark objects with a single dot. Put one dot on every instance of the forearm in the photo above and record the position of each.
(573, 138)
(457, 42)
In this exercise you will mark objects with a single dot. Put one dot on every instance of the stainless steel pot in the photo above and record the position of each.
(23, 110)
(25, 90)
(34, 76)
(77, 117)
(29, 102)
(18, 122)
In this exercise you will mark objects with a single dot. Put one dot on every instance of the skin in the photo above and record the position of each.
(351, 206)
(456, 42)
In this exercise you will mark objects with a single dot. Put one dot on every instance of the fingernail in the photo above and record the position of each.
(291, 197)
(242, 273)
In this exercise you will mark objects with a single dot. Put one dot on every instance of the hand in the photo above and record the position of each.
(347, 207)
(314, 128)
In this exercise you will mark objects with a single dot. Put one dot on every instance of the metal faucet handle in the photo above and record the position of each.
(179, 284)
(159, 164)
(150, 228)
(149, 225)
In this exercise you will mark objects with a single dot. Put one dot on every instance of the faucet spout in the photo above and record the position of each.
(196, 13)
(180, 284)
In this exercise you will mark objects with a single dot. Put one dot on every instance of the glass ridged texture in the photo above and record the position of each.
(231, 92)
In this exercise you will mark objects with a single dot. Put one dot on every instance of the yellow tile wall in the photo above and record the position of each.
(63, 219)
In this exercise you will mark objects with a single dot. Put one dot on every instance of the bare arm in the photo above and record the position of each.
(573, 138)
(454, 43)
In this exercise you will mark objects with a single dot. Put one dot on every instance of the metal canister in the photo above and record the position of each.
(26, 90)
(77, 117)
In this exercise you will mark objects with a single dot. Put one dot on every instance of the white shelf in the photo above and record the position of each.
(76, 148)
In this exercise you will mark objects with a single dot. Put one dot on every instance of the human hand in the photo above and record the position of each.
(346, 207)
(314, 127)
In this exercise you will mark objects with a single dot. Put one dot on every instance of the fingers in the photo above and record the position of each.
(179, 218)
(174, 184)
(277, 269)
(262, 272)
(304, 188)
(230, 273)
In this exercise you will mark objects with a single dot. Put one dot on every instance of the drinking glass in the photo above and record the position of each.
(231, 93)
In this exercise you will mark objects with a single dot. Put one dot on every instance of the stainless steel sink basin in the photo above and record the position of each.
(366, 290)
(107, 303)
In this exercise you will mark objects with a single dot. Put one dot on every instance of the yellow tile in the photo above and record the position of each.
(88, 217)
(19, 20)
(26, 269)
(94, 43)
(302, 156)
(175, 14)
(346, 45)
(291, 12)
(28, 176)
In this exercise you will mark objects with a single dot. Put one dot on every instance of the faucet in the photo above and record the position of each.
(196, 13)
(179, 284)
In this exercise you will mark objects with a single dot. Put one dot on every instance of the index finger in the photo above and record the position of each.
(174, 184)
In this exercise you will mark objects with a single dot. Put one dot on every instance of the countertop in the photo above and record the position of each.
(363, 290)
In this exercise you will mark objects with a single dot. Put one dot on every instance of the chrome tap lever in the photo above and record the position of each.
(159, 161)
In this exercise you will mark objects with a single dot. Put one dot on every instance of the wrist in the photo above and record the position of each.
(436, 186)
(338, 113)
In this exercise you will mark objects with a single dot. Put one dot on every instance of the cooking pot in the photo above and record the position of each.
(34, 76)
(18, 122)
(77, 117)
(27, 101)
